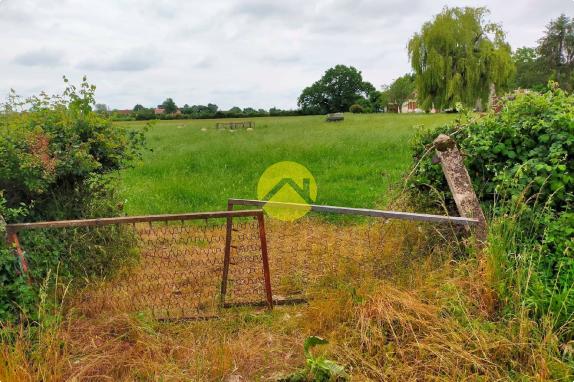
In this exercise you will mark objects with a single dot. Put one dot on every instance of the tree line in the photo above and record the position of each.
(457, 58)
(169, 110)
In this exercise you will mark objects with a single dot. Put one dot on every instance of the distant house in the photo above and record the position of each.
(123, 111)
(160, 110)
(393, 107)
(411, 105)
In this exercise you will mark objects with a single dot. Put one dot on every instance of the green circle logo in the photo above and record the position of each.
(288, 188)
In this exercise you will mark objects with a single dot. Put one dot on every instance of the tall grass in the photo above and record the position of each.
(36, 351)
(432, 317)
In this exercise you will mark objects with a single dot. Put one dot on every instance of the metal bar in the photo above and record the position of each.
(364, 212)
(265, 258)
(130, 219)
(226, 255)
(12, 238)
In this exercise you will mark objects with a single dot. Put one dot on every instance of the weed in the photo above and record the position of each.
(317, 369)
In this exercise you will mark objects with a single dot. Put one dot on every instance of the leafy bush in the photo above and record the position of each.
(355, 108)
(528, 145)
(56, 158)
(521, 156)
(553, 287)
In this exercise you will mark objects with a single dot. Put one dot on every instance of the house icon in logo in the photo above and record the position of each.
(289, 188)
(304, 192)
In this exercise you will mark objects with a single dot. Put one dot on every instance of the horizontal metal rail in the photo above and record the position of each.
(362, 212)
(131, 219)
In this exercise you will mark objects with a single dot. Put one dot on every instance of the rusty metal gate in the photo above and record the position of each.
(193, 265)
(181, 266)
(311, 253)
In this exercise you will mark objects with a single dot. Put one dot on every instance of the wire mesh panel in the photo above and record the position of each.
(170, 268)
(303, 253)
(310, 253)
(192, 265)
(316, 250)
(180, 270)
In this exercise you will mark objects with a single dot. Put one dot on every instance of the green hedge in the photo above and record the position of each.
(522, 155)
(56, 160)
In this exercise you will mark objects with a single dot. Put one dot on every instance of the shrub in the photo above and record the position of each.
(356, 108)
(521, 156)
(528, 145)
(56, 160)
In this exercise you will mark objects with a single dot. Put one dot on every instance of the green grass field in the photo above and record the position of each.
(194, 167)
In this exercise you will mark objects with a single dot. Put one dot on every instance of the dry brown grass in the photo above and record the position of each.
(425, 318)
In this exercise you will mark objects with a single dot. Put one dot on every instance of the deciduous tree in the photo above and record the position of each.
(457, 57)
(530, 70)
(401, 90)
(339, 88)
(169, 106)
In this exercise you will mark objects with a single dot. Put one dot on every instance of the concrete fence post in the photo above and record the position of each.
(460, 184)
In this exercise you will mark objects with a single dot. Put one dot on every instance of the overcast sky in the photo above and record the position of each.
(258, 53)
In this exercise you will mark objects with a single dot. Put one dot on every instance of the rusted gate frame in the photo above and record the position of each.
(13, 229)
(438, 219)
(361, 212)
(264, 256)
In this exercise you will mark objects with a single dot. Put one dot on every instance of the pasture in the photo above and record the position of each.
(191, 166)
(394, 298)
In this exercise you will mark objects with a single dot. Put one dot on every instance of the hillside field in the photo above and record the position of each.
(191, 166)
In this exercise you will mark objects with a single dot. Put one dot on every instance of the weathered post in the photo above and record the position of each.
(11, 238)
(3, 227)
(460, 184)
(14, 242)
(226, 254)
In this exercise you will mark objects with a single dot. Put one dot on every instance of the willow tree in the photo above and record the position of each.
(459, 57)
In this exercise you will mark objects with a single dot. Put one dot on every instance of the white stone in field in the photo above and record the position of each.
(249, 129)
(203, 129)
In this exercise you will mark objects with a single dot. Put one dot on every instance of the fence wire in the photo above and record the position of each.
(311, 253)
(177, 269)
(171, 270)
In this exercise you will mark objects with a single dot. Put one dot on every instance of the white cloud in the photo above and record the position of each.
(132, 60)
(258, 53)
(40, 57)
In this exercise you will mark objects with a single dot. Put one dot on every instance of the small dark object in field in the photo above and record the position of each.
(234, 125)
(335, 117)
